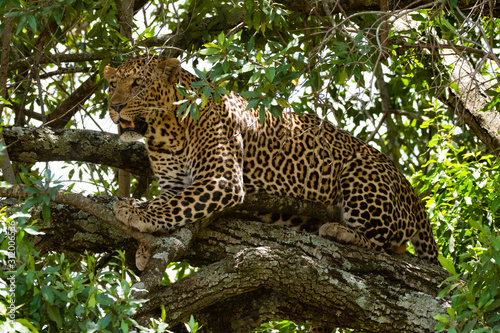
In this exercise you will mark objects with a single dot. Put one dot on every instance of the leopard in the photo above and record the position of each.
(208, 163)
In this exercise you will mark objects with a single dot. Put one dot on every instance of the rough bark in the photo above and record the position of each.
(257, 272)
(470, 98)
(30, 145)
(340, 286)
(469, 101)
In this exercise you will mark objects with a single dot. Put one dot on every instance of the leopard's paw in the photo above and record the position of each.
(337, 232)
(126, 212)
(142, 256)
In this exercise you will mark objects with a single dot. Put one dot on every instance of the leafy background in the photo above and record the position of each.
(392, 95)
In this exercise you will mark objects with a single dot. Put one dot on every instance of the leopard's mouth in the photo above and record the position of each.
(125, 124)
(138, 125)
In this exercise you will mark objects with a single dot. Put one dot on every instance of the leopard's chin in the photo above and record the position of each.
(133, 131)
(131, 136)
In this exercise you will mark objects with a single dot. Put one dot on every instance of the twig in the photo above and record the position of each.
(439, 47)
(406, 114)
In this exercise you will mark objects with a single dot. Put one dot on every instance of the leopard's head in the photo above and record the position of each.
(140, 89)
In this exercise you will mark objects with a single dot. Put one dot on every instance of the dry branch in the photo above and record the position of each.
(317, 7)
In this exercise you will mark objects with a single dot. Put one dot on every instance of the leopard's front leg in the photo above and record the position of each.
(201, 199)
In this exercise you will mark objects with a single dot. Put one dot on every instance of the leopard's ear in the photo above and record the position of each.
(108, 72)
(169, 69)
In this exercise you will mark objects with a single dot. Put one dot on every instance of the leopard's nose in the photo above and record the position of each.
(117, 107)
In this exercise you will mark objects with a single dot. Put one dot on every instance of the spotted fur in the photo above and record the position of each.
(208, 165)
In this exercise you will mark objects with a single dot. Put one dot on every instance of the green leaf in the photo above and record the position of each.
(251, 44)
(30, 278)
(104, 299)
(27, 324)
(46, 213)
(253, 103)
(209, 51)
(92, 302)
(32, 190)
(124, 326)
(250, 94)
(198, 84)
(21, 24)
(221, 38)
(442, 318)
(57, 15)
(256, 77)
(262, 114)
(105, 321)
(248, 67)
(163, 313)
(270, 73)
(207, 91)
(32, 22)
(221, 91)
(36, 303)
(495, 204)
(48, 295)
(447, 264)
(194, 111)
(475, 224)
(495, 241)
(54, 314)
(182, 108)
(201, 74)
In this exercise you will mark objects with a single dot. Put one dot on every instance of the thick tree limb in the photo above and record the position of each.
(83, 203)
(341, 286)
(30, 145)
(468, 102)
(470, 98)
(278, 272)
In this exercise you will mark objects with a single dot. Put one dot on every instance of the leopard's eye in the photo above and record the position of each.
(137, 82)
(112, 85)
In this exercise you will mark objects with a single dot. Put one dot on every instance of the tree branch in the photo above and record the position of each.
(311, 6)
(469, 101)
(83, 203)
(281, 273)
(30, 145)
(388, 292)
(58, 58)
(67, 108)
(6, 166)
(470, 97)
